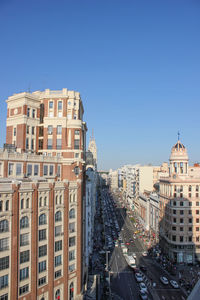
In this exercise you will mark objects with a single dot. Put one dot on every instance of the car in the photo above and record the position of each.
(145, 253)
(143, 268)
(138, 277)
(143, 295)
(134, 255)
(174, 284)
(164, 280)
(143, 287)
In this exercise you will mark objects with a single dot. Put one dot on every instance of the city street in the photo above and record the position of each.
(122, 279)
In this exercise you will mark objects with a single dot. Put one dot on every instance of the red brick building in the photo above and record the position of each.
(42, 197)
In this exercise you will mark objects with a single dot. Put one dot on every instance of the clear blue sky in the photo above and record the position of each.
(135, 63)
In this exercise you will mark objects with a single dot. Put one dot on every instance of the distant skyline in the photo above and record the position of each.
(135, 63)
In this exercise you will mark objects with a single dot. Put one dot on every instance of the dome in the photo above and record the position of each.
(179, 152)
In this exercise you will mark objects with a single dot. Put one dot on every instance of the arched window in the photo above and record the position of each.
(42, 219)
(1, 205)
(4, 226)
(58, 216)
(45, 201)
(60, 199)
(71, 291)
(72, 213)
(40, 202)
(74, 198)
(22, 203)
(27, 203)
(24, 223)
(57, 295)
(56, 199)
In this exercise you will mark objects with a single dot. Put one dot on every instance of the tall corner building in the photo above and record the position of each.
(42, 197)
(180, 208)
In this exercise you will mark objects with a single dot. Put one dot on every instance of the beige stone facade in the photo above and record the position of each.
(180, 209)
(42, 197)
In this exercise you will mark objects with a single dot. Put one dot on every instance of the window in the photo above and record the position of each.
(59, 129)
(28, 112)
(58, 246)
(60, 199)
(72, 227)
(36, 170)
(174, 211)
(24, 256)
(4, 263)
(72, 241)
(58, 171)
(181, 203)
(42, 219)
(42, 266)
(49, 144)
(10, 169)
(58, 216)
(190, 220)
(3, 281)
(174, 228)
(27, 129)
(45, 201)
(4, 297)
(24, 223)
(197, 195)
(59, 144)
(27, 203)
(174, 220)
(181, 228)
(190, 188)
(190, 238)
(197, 239)
(174, 203)
(27, 143)
(43, 250)
(71, 268)
(32, 144)
(33, 130)
(71, 291)
(197, 203)
(181, 238)
(45, 170)
(76, 144)
(71, 255)
(57, 295)
(24, 239)
(197, 228)
(181, 212)
(58, 260)
(50, 129)
(190, 229)
(7, 205)
(42, 281)
(4, 244)
(181, 220)
(190, 195)
(29, 170)
(42, 235)
(58, 230)
(197, 220)
(1, 205)
(33, 113)
(59, 105)
(22, 203)
(190, 203)
(14, 131)
(57, 199)
(197, 212)
(4, 227)
(77, 132)
(24, 273)
(51, 170)
(72, 213)
(24, 289)
(58, 273)
(18, 169)
(50, 104)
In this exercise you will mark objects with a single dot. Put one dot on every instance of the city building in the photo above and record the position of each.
(42, 197)
(180, 208)
(113, 180)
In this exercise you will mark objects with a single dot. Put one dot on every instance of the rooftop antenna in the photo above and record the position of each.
(178, 136)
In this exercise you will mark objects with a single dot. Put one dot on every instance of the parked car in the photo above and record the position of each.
(138, 277)
(164, 280)
(174, 284)
(143, 287)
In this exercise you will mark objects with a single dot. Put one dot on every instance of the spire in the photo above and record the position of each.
(178, 136)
